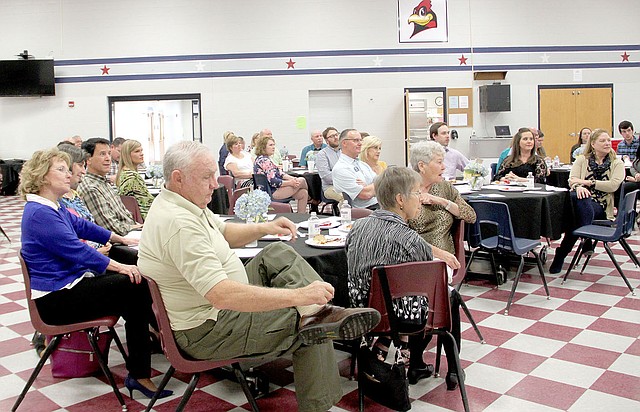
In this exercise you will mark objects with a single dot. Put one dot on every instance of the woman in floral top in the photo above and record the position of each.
(282, 185)
(128, 180)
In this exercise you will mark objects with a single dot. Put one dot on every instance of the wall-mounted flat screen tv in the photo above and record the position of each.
(27, 78)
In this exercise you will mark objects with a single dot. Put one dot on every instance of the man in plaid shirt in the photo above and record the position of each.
(101, 198)
(629, 146)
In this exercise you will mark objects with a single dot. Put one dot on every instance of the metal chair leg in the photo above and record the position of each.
(541, 270)
(188, 392)
(93, 340)
(574, 261)
(515, 285)
(242, 379)
(163, 384)
(617, 265)
(459, 371)
(464, 307)
(45, 355)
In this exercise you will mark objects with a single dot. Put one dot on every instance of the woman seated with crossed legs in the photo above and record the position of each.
(73, 282)
(594, 177)
(282, 184)
(384, 238)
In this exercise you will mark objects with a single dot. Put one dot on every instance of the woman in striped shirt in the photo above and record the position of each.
(384, 238)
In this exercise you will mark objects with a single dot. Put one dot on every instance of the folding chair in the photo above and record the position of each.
(183, 363)
(610, 232)
(91, 327)
(413, 279)
(235, 196)
(496, 214)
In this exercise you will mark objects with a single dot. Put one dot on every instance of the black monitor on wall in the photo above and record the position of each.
(495, 98)
(27, 78)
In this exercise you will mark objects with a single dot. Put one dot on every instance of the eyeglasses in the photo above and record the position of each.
(355, 140)
(62, 169)
(331, 136)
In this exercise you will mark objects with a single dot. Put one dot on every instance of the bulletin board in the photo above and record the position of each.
(460, 107)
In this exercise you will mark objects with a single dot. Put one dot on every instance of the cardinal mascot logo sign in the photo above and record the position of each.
(422, 21)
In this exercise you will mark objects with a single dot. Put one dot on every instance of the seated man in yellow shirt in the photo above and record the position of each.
(220, 309)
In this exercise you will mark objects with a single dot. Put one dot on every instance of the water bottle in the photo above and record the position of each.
(284, 152)
(556, 161)
(531, 181)
(345, 213)
(314, 225)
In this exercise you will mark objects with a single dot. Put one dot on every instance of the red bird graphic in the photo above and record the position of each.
(423, 17)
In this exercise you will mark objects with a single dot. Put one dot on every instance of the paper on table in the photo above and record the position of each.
(486, 195)
(134, 234)
(463, 189)
(555, 189)
(247, 252)
(224, 218)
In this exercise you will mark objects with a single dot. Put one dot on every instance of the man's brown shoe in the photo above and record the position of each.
(335, 322)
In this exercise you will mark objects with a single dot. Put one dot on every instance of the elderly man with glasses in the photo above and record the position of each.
(351, 176)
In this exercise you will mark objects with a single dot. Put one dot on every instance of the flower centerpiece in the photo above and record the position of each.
(155, 172)
(253, 206)
(476, 172)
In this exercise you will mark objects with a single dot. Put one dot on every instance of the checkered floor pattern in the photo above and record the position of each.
(578, 351)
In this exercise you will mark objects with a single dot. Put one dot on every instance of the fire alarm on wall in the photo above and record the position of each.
(71, 104)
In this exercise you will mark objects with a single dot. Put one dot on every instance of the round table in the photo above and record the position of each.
(536, 214)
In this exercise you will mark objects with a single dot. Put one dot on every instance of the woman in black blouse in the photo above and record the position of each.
(522, 160)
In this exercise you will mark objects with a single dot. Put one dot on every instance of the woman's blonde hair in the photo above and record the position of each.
(126, 163)
(367, 143)
(588, 151)
(35, 169)
(261, 145)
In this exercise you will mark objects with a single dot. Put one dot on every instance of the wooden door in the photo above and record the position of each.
(594, 109)
(558, 121)
(564, 111)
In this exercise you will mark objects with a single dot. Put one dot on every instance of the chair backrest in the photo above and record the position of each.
(261, 182)
(457, 231)
(347, 198)
(235, 196)
(132, 206)
(495, 214)
(358, 212)
(626, 217)
(494, 170)
(227, 182)
(278, 207)
(291, 156)
(410, 279)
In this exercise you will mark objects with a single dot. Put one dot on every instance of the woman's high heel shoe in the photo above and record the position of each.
(133, 384)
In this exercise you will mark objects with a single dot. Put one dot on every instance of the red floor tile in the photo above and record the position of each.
(552, 331)
(616, 327)
(584, 308)
(555, 394)
(586, 355)
(513, 360)
(608, 289)
(634, 349)
(618, 384)
(478, 398)
(528, 312)
(33, 401)
(557, 293)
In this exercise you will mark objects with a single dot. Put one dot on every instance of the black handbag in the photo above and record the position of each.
(383, 382)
